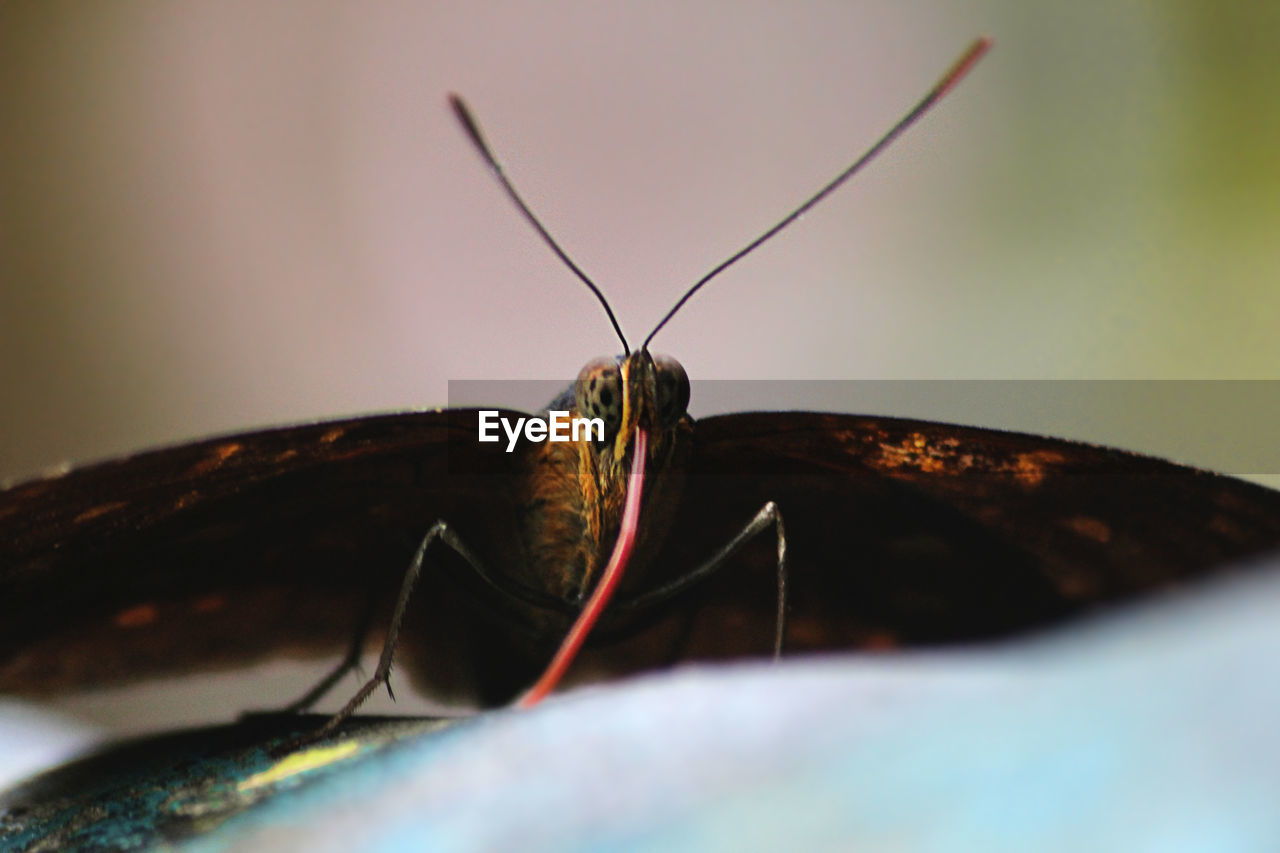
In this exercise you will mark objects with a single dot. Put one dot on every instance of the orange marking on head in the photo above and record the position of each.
(136, 617)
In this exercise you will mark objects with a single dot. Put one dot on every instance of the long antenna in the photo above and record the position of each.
(477, 139)
(953, 75)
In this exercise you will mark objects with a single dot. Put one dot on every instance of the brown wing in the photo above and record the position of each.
(899, 532)
(906, 532)
(233, 548)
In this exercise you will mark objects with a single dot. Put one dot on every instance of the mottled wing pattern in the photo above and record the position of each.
(899, 533)
(906, 532)
(236, 547)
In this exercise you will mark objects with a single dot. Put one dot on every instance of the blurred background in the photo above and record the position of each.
(217, 216)
(220, 216)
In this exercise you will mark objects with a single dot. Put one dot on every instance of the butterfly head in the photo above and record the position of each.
(636, 390)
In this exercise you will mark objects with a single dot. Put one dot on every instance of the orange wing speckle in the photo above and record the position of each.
(1088, 527)
(916, 452)
(1032, 468)
(217, 457)
(99, 510)
(137, 617)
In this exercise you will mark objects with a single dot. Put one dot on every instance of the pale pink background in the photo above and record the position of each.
(216, 216)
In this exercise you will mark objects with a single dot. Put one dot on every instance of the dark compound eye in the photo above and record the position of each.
(673, 390)
(598, 393)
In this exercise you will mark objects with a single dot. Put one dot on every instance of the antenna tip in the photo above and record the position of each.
(976, 50)
(463, 114)
(967, 60)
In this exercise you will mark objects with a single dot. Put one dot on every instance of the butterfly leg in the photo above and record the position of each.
(768, 516)
(349, 663)
(382, 674)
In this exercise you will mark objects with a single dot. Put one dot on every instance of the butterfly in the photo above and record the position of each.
(897, 533)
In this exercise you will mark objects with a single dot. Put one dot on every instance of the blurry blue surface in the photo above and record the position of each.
(1155, 728)
(33, 739)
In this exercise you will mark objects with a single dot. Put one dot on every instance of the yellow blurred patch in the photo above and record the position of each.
(299, 762)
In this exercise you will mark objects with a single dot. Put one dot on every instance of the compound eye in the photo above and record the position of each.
(598, 394)
(673, 390)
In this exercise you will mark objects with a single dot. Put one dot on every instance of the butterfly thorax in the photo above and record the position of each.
(574, 491)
